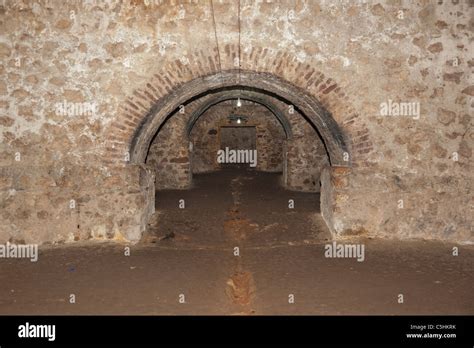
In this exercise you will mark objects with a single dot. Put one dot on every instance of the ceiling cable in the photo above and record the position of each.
(217, 42)
(239, 103)
(239, 43)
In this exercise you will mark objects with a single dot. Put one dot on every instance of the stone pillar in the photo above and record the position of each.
(334, 183)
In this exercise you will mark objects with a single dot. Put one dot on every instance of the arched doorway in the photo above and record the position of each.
(217, 87)
(322, 120)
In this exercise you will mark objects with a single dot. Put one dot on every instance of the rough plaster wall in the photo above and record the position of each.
(238, 137)
(305, 156)
(169, 155)
(206, 136)
(66, 204)
(352, 56)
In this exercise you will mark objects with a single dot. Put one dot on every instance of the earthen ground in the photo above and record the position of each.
(190, 251)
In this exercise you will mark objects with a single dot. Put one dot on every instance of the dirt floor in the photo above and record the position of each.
(187, 265)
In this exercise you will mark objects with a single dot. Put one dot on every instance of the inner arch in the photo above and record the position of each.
(249, 95)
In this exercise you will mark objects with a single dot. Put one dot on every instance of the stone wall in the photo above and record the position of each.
(61, 204)
(169, 155)
(387, 205)
(113, 65)
(206, 136)
(305, 156)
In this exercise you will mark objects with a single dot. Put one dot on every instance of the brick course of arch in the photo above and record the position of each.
(318, 96)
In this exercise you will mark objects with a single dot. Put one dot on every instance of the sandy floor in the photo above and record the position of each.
(191, 253)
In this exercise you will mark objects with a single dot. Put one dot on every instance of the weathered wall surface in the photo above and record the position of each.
(60, 204)
(206, 136)
(305, 156)
(123, 57)
(169, 155)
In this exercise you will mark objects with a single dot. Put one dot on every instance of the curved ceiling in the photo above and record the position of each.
(248, 95)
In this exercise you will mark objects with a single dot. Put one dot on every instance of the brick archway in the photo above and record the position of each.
(181, 79)
(331, 133)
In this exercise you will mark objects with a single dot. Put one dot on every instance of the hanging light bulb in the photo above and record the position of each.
(239, 121)
(239, 103)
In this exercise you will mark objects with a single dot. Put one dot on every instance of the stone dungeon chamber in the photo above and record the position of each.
(71, 178)
(113, 115)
